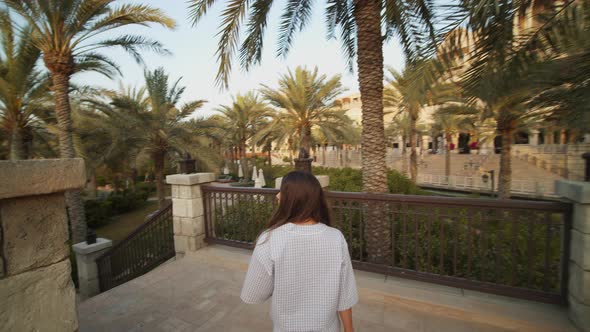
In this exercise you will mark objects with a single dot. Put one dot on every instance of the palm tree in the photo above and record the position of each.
(153, 124)
(410, 91)
(449, 124)
(23, 89)
(305, 100)
(400, 126)
(363, 27)
(511, 55)
(242, 120)
(68, 35)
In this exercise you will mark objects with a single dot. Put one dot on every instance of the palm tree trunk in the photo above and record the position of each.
(413, 154)
(367, 15)
(75, 205)
(448, 138)
(91, 187)
(404, 156)
(305, 142)
(244, 160)
(17, 145)
(505, 176)
(159, 158)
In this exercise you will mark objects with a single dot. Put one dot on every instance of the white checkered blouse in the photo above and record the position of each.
(307, 271)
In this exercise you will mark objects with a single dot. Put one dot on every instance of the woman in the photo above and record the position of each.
(303, 263)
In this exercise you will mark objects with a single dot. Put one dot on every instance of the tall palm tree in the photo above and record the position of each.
(154, 124)
(23, 89)
(305, 99)
(242, 120)
(363, 26)
(400, 126)
(68, 35)
(410, 91)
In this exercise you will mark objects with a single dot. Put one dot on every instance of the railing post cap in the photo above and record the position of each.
(84, 248)
(574, 190)
(190, 179)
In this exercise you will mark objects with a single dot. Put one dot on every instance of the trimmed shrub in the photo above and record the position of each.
(100, 211)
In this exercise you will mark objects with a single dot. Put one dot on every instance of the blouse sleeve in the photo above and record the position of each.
(348, 292)
(259, 282)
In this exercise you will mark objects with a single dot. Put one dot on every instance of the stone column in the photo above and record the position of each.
(455, 141)
(86, 255)
(36, 288)
(534, 137)
(188, 210)
(579, 264)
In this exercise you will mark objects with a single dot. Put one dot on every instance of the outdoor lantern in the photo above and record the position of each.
(187, 165)
(90, 236)
(485, 178)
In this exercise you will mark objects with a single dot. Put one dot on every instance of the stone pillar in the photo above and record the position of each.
(424, 143)
(455, 141)
(534, 138)
(579, 264)
(36, 288)
(86, 255)
(188, 211)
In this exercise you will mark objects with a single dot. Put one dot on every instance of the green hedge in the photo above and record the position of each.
(100, 211)
(348, 179)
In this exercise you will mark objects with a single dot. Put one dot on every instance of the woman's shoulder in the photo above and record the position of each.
(335, 233)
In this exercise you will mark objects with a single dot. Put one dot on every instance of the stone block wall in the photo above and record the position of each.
(575, 163)
(579, 264)
(36, 289)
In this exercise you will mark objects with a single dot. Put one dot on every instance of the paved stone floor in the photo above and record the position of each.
(200, 292)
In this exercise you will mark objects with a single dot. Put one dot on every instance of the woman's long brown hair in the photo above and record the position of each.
(302, 198)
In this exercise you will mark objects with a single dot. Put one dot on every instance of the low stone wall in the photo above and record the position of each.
(579, 264)
(36, 289)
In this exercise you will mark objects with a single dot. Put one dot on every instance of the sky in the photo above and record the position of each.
(194, 60)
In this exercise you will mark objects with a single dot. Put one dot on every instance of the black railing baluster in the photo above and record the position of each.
(404, 238)
(416, 244)
(442, 243)
(456, 223)
(429, 247)
(547, 251)
(515, 223)
(470, 216)
(484, 244)
(394, 214)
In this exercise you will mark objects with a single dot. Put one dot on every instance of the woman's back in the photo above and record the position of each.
(302, 262)
(307, 270)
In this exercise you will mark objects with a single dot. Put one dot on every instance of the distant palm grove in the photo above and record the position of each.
(505, 64)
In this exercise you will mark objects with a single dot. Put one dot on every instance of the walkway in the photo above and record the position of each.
(200, 292)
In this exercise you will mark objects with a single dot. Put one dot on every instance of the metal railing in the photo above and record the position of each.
(151, 244)
(514, 248)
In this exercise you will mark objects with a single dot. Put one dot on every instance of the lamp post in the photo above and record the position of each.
(586, 157)
(485, 178)
(187, 165)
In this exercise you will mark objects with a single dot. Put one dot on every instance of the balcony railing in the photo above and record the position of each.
(476, 183)
(515, 248)
(151, 244)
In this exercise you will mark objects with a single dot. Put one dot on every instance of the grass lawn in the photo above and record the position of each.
(123, 224)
